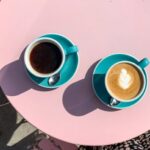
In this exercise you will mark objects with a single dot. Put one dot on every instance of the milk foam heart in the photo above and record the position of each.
(125, 79)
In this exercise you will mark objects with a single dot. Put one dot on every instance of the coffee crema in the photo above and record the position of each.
(46, 58)
(124, 81)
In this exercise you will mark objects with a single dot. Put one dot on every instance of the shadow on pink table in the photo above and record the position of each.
(79, 98)
(14, 79)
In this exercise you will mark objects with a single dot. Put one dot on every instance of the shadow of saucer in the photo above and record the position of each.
(79, 98)
(14, 79)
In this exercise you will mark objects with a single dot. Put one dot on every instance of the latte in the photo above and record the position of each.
(124, 81)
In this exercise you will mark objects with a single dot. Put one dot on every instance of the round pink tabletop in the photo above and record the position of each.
(72, 112)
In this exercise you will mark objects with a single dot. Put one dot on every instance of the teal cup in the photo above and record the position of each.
(54, 76)
(140, 67)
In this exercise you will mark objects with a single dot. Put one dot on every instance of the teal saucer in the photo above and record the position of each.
(67, 71)
(98, 80)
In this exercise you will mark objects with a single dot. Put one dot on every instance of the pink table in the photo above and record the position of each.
(100, 27)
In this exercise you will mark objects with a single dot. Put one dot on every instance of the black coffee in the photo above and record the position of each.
(46, 58)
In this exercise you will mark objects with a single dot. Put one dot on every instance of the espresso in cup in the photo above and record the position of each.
(124, 81)
(46, 58)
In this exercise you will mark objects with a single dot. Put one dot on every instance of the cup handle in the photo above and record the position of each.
(144, 62)
(113, 102)
(72, 49)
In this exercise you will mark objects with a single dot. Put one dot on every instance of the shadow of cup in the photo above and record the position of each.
(79, 98)
(14, 79)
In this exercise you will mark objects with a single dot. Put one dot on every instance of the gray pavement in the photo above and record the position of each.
(15, 132)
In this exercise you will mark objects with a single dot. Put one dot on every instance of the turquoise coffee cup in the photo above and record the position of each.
(70, 50)
(141, 68)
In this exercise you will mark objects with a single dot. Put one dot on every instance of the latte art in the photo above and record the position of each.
(124, 81)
